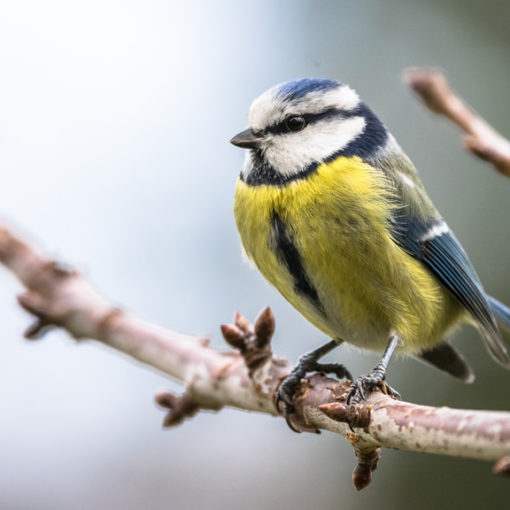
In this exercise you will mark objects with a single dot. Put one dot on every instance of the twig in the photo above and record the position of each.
(481, 138)
(248, 377)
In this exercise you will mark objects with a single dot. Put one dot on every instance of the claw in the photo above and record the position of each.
(291, 384)
(285, 394)
(375, 378)
(392, 392)
(288, 407)
(289, 422)
(367, 384)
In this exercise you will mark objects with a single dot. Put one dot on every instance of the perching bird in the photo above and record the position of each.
(333, 213)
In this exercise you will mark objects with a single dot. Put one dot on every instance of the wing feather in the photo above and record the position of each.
(419, 230)
(444, 256)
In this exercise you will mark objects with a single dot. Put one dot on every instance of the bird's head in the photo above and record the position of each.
(302, 123)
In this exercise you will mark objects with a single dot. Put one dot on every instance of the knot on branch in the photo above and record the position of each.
(41, 302)
(45, 319)
(253, 341)
(367, 463)
(179, 407)
(356, 415)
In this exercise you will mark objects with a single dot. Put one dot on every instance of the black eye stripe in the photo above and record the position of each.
(311, 118)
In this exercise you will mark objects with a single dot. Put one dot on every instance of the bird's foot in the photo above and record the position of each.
(366, 384)
(291, 384)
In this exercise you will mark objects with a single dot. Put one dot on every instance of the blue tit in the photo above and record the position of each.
(332, 212)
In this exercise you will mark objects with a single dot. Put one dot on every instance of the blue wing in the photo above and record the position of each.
(435, 245)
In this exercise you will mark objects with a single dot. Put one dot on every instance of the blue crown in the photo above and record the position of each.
(297, 89)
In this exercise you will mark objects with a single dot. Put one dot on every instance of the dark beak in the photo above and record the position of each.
(247, 139)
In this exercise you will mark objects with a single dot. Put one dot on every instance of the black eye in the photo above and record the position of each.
(295, 123)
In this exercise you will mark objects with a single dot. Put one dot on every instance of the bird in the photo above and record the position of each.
(332, 212)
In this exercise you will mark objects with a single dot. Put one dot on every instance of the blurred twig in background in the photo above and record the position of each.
(248, 376)
(481, 138)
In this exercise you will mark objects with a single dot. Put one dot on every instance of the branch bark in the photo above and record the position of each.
(480, 138)
(248, 376)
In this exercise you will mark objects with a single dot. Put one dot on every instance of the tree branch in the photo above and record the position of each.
(247, 377)
(481, 138)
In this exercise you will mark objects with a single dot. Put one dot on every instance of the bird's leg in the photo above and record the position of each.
(375, 378)
(307, 363)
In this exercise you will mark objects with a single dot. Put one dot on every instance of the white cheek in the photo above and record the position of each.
(289, 154)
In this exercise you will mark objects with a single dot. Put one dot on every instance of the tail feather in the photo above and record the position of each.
(496, 347)
(501, 312)
(448, 359)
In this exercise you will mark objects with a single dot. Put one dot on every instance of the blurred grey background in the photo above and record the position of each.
(115, 118)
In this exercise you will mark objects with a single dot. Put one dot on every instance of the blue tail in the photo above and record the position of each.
(501, 312)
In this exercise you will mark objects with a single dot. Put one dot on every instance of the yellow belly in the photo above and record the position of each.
(364, 283)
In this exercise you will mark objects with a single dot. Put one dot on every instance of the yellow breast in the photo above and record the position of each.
(324, 243)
